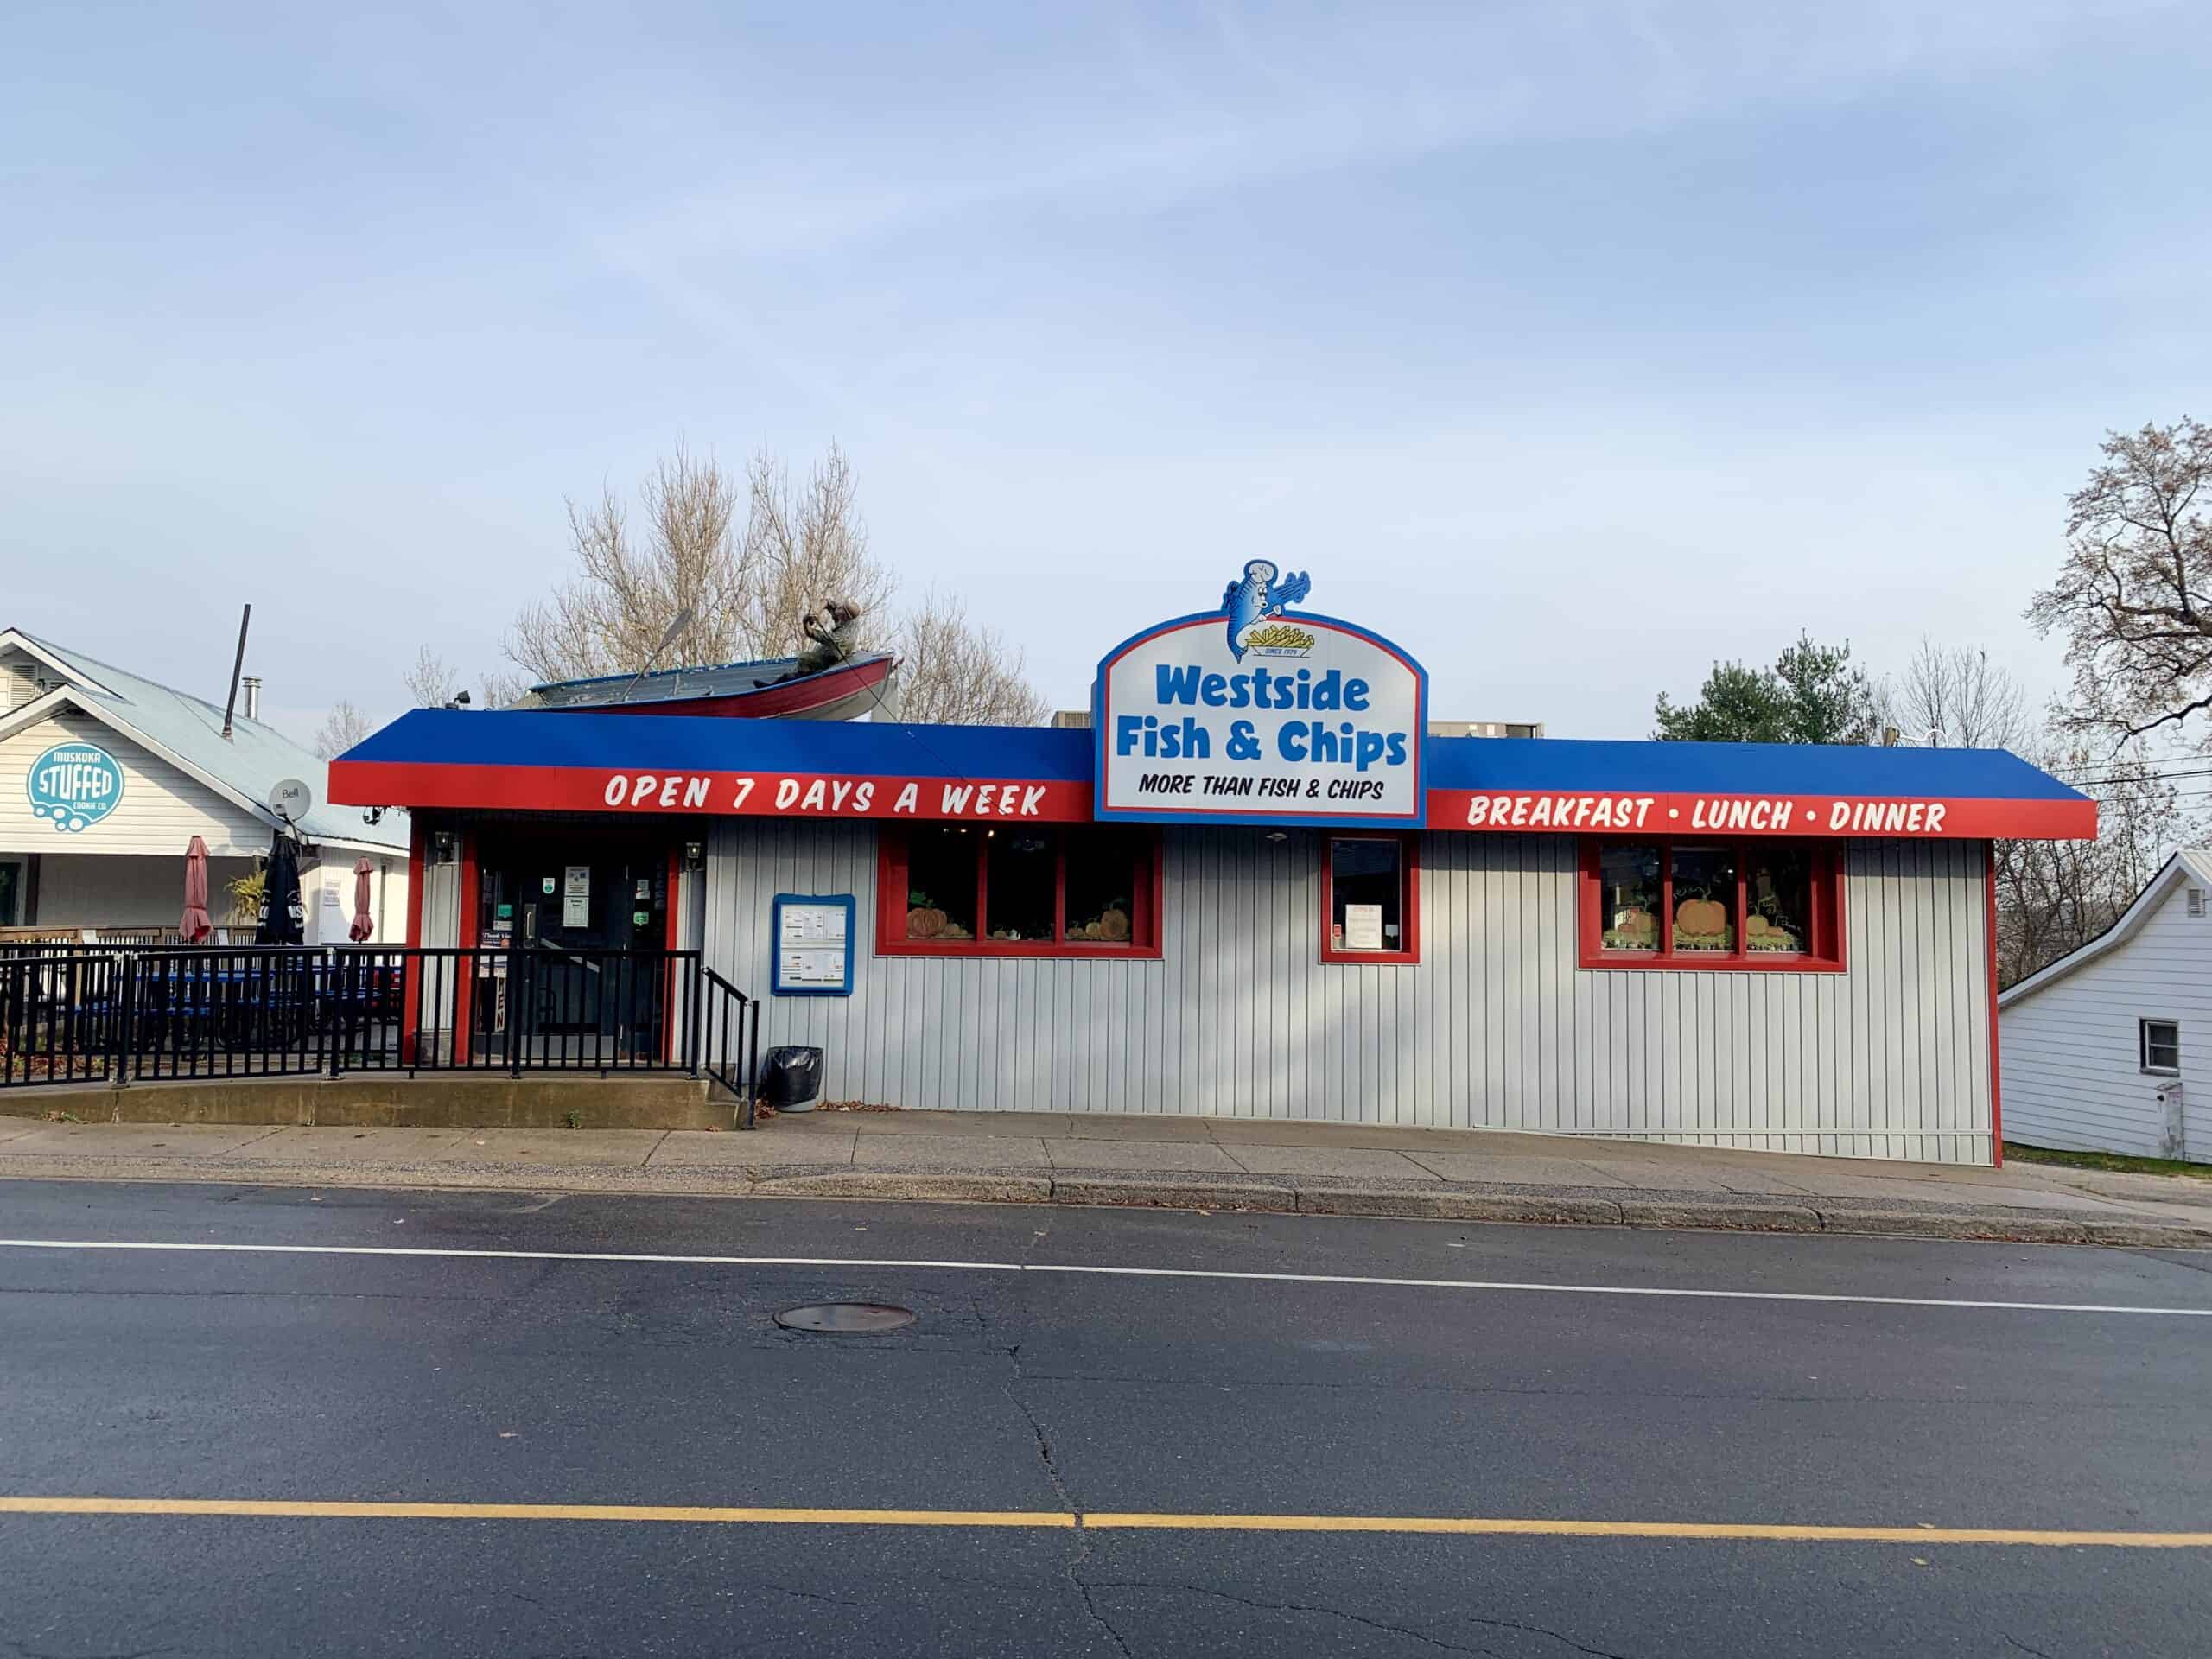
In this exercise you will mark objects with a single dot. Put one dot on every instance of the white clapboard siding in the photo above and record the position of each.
(161, 810)
(78, 890)
(1496, 1028)
(2073, 1075)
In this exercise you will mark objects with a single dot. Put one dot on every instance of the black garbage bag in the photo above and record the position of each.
(791, 1078)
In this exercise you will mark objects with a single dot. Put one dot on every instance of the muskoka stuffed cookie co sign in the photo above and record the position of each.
(73, 786)
(1257, 712)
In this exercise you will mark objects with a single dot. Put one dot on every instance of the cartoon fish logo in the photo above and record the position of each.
(1259, 596)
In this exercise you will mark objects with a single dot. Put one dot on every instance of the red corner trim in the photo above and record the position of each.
(1989, 947)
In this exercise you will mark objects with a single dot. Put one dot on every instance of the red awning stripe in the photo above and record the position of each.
(718, 794)
(824, 795)
(1577, 812)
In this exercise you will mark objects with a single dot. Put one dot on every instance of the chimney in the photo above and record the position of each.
(252, 685)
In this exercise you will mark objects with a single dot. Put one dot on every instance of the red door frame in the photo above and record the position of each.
(410, 971)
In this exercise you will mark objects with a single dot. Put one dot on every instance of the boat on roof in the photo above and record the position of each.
(771, 689)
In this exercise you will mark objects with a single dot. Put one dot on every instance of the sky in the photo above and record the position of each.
(1574, 347)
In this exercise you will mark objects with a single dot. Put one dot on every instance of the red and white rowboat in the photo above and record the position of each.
(760, 690)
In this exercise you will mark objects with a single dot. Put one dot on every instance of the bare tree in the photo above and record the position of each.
(2134, 596)
(1953, 697)
(432, 683)
(503, 690)
(952, 672)
(804, 545)
(342, 728)
(2055, 896)
(609, 617)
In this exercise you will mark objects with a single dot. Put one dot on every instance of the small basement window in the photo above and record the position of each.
(1017, 890)
(1370, 899)
(2159, 1043)
(1759, 903)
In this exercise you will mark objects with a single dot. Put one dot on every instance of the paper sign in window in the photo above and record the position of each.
(1362, 927)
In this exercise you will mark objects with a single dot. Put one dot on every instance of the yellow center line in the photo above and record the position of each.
(1447, 1525)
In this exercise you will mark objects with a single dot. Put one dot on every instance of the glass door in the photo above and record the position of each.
(579, 919)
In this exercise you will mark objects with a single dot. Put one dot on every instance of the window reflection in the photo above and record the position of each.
(941, 884)
(1629, 896)
(1017, 884)
(1366, 894)
(1778, 892)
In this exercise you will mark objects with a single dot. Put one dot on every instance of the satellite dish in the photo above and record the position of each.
(290, 799)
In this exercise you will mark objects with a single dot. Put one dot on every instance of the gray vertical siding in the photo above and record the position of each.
(441, 905)
(1495, 1028)
(441, 929)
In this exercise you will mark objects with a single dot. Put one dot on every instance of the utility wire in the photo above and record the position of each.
(2147, 776)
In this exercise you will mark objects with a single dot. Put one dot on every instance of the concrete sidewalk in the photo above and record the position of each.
(1200, 1163)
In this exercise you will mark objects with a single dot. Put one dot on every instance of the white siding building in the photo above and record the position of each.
(1260, 883)
(2109, 1049)
(155, 770)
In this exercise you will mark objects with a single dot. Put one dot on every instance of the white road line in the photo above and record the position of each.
(1529, 1286)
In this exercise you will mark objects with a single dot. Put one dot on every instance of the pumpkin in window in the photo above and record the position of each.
(1700, 919)
(926, 922)
(1112, 926)
(1633, 927)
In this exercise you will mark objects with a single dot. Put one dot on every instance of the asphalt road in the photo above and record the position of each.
(475, 1379)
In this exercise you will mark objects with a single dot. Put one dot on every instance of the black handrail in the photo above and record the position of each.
(730, 1041)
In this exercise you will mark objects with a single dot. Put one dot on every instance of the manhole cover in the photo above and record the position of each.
(852, 1319)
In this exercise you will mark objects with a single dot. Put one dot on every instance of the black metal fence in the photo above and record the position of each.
(94, 1014)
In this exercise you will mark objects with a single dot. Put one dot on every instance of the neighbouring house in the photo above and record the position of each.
(105, 777)
(2109, 1049)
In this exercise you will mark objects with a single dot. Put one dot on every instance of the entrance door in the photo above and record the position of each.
(583, 913)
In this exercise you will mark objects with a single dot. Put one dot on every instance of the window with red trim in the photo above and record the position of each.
(1761, 903)
(1018, 890)
(1370, 898)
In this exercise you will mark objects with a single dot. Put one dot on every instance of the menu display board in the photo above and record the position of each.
(813, 954)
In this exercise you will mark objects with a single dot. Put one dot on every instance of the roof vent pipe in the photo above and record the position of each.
(252, 686)
(238, 661)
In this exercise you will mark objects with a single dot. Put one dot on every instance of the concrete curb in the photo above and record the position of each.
(981, 1187)
(1451, 1203)
(1194, 1190)
(1734, 1214)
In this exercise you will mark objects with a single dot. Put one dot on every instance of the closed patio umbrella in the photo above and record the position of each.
(283, 917)
(195, 927)
(362, 924)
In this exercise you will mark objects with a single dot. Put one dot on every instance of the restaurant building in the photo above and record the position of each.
(1258, 887)
(105, 777)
